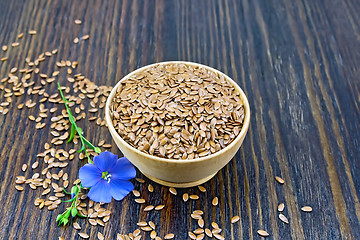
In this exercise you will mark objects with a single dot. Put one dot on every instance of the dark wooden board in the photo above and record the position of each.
(297, 61)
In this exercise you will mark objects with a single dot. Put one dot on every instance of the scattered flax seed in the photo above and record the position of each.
(185, 197)
(202, 189)
(152, 224)
(159, 207)
(153, 234)
(191, 235)
(281, 207)
(85, 37)
(35, 165)
(215, 201)
(201, 223)
(107, 146)
(306, 209)
(32, 32)
(149, 208)
(84, 235)
(173, 191)
(15, 44)
(146, 229)
(100, 236)
(24, 167)
(283, 218)
(194, 197)
(20, 35)
(61, 238)
(136, 193)
(151, 188)
(19, 188)
(78, 21)
(235, 219)
(215, 225)
(140, 200)
(76, 40)
(4, 48)
(142, 224)
(279, 180)
(169, 236)
(208, 232)
(218, 236)
(263, 233)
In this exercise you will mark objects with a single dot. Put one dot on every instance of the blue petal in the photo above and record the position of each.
(100, 192)
(123, 170)
(120, 188)
(105, 161)
(89, 175)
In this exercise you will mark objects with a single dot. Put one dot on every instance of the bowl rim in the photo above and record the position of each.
(146, 155)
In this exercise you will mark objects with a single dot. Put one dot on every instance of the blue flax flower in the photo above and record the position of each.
(108, 177)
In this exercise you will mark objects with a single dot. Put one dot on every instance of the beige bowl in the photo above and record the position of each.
(172, 172)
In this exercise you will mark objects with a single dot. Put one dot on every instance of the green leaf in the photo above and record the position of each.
(74, 212)
(70, 200)
(82, 149)
(89, 144)
(81, 215)
(79, 130)
(72, 134)
(97, 150)
(59, 217)
(66, 191)
(65, 221)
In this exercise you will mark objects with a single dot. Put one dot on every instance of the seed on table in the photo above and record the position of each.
(192, 236)
(35, 165)
(283, 218)
(235, 219)
(146, 229)
(4, 48)
(136, 238)
(281, 207)
(263, 233)
(215, 201)
(201, 223)
(173, 191)
(185, 197)
(150, 188)
(215, 225)
(159, 207)
(19, 188)
(24, 167)
(85, 37)
(136, 193)
(140, 200)
(107, 146)
(153, 234)
(83, 235)
(15, 44)
(92, 221)
(140, 180)
(100, 236)
(306, 209)
(142, 224)
(78, 21)
(136, 232)
(32, 32)
(279, 180)
(76, 40)
(61, 238)
(149, 208)
(152, 224)
(218, 236)
(194, 197)
(202, 189)
(20, 35)
(46, 191)
(195, 216)
(169, 236)
(208, 232)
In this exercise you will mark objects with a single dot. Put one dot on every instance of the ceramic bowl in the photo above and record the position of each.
(172, 172)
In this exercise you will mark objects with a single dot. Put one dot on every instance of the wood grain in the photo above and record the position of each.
(297, 61)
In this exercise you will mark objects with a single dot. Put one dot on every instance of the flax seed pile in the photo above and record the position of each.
(176, 111)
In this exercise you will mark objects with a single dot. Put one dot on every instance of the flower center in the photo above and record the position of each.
(106, 176)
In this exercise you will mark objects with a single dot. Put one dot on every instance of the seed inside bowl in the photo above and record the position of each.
(177, 111)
